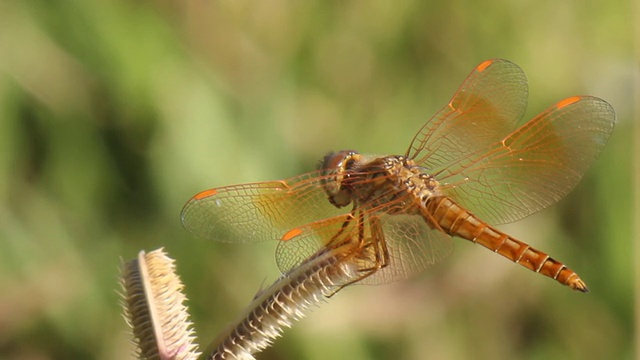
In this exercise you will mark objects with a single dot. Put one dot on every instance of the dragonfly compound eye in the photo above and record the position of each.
(335, 169)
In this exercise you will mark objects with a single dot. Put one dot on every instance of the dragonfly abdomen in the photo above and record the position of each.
(457, 221)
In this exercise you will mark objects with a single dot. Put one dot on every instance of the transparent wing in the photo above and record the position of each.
(297, 213)
(257, 211)
(534, 166)
(496, 171)
(485, 109)
(411, 245)
(300, 243)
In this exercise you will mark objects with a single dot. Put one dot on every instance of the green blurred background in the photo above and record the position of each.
(113, 113)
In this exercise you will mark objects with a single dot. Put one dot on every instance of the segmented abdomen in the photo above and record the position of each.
(457, 221)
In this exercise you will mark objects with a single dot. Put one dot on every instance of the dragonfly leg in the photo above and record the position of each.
(372, 251)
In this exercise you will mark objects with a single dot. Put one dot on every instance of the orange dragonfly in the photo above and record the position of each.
(469, 166)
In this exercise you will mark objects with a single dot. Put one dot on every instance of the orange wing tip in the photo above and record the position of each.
(291, 234)
(567, 102)
(205, 194)
(484, 65)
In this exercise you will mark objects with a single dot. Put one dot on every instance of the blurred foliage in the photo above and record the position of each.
(113, 113)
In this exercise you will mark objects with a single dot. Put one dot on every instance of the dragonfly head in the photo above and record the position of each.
(335, 168)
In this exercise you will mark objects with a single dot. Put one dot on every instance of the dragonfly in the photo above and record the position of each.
(470, 167)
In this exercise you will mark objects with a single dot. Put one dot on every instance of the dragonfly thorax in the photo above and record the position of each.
(350, 177)
(406, 179)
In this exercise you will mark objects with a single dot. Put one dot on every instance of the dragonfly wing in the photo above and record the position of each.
(257, 211)
(534, 166)
(485, 109)
(412, 245)
(300, 243)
